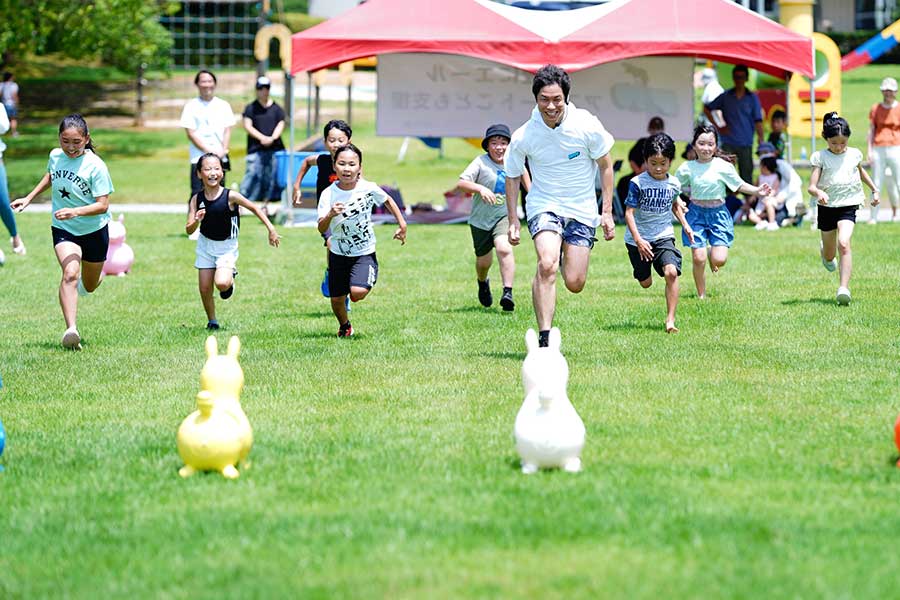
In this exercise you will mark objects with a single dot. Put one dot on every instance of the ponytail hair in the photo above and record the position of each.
(77, 122)
(771, 164)
(833, 125)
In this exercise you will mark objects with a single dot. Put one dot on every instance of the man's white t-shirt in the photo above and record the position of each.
(351, 231)
(209, 120)
(563, 163)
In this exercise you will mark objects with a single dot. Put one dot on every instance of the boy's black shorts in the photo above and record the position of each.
(345, 272)
(93, 245)
(664, 253)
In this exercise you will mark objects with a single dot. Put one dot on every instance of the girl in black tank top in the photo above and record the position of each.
(222, 221)
(219, 221)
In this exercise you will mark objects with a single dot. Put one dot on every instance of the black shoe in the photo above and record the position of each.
(346, 330)
(484, 293)
(506, 301)
(226, 294)
(212, 325)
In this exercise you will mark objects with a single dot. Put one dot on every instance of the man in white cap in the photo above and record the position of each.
(884, 145)
(264, 122)
(712, 89)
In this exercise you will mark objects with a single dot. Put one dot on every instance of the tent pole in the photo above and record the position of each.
(287, 195)
(812, 116)
(789, 147)
(308, 104)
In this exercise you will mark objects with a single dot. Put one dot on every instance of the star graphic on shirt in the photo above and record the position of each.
(64, 192)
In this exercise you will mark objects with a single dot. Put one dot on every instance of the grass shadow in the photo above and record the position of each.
(314, 315)
(471, 309)
(518, 356)
(633, 326)
(797, 301)
(894, 460)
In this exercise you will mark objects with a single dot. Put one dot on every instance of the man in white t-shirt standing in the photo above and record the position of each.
(564, 146)
(208, 121)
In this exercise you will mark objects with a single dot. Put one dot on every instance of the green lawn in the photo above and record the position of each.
(751, 455)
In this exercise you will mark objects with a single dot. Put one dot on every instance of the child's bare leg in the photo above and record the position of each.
(753, 217)
(339, 308)
(358, 293)
(718, 255)
(770, 211)
(844, 232)
(205, 279)
(483, 265)
(224, 278)
(91, 275)
(671, 274)
(829, 244)
(507, 260)
(698, 255)
(69, 256)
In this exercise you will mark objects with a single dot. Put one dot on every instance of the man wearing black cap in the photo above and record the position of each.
(485, 177)
(264, 122)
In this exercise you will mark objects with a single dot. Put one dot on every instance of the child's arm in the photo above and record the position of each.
(876, 196)
(236, 198)
(512, 201)
(400, 234)
(487, 196)
(323, 223)
(643, 246)
(813, 188)
(762, 190)
(304, 167)
(19, 204)
(98, 207)
(194, 216)
(678, 211)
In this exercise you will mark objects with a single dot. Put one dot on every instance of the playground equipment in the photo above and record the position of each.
(809, 100)
(873, 48)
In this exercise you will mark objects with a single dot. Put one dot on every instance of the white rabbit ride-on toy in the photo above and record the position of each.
(549, 433)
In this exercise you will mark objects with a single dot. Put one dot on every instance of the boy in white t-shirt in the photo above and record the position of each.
(345, 207)
(564, 146)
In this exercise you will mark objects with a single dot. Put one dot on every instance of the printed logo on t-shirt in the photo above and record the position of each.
(574, 155)
(354, 232)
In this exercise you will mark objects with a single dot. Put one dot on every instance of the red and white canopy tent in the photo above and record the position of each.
(575, 40)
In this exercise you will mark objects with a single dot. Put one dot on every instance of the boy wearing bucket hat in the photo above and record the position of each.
(485, 177)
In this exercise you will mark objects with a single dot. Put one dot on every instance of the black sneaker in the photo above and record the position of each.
(212, 325)
(346, 330)
(506, 301)
(226, 294)
(484, 293)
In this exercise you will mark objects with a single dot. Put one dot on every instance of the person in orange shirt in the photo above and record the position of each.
(884, 145)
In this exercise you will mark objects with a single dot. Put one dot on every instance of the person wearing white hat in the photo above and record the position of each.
(884, 146)
(712, 89)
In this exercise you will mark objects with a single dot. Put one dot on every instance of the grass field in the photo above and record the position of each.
(751, 455)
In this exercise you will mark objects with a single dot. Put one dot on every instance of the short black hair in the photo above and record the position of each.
(779, 114)
(201, 72)
(548, 75)
(7, 76)
(659, 143)
(740, 68)
(339, 125)
(351, 148)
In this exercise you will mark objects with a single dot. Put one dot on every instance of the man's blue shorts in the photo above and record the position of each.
(572, 232)
(712, 226)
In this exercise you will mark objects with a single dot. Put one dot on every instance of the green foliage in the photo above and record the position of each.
(123, 33)
(296, 21)
(748, 456)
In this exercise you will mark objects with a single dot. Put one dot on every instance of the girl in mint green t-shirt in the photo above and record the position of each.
(80, 191)
(710, 178)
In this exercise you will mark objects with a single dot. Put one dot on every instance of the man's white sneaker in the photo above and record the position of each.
(843, 296)
(20, 249)
(71, 339)
(829, 265)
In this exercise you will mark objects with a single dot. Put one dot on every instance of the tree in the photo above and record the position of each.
(121, 33)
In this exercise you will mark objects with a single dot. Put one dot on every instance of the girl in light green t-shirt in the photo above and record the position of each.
(80, 191)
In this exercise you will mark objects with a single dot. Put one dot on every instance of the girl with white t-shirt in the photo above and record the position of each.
(835, 182)
(345, 208)
(80, 191)
(709, 178)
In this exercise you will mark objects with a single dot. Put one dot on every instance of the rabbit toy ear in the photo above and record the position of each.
(531, 340)
(234, 346)
(555, 339)
(212, 346)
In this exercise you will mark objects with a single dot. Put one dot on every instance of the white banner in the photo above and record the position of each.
(445, 95)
